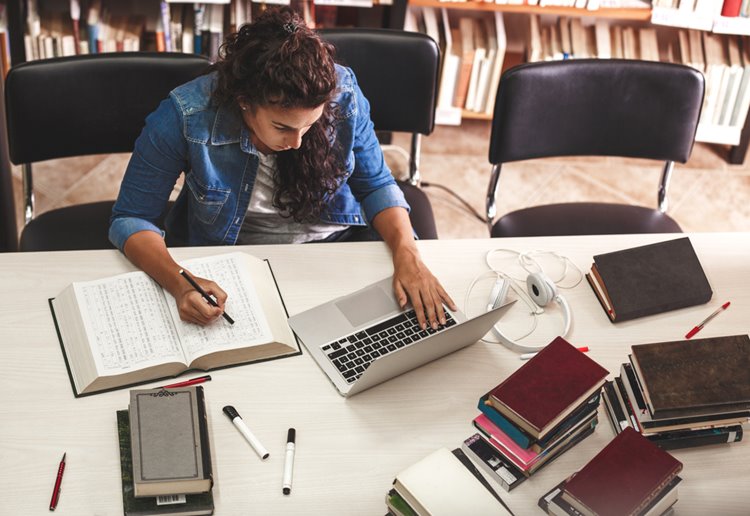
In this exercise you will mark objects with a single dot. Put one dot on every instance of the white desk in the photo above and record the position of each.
(348, 451)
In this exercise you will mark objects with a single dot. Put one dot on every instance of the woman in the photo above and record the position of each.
(277, 146)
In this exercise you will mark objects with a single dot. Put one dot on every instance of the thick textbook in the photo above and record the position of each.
(173, 505)
(440, 484)
(649, 279)
(546, 389)
(623, 478)
(694, 377)
(125, 330)
(169, 439)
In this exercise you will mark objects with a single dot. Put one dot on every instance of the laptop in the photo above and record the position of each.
(364, 338)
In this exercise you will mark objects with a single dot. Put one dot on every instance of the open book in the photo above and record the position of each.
(123, 330)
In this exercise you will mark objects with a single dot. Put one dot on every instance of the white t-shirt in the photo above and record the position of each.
(264, 223)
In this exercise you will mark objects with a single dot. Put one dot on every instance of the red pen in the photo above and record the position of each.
(58, 481)
(698, 328)
(187, 383)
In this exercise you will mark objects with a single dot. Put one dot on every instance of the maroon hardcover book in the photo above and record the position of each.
(546, 388)
(623, 478)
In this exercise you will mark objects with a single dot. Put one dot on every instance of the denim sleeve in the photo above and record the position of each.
(371, 182)
(157, 161)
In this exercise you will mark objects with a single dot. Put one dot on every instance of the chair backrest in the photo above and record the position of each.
(396, 70)
(596, 107)
(88, 104)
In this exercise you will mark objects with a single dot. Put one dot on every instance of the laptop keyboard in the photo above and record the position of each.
(352, 354)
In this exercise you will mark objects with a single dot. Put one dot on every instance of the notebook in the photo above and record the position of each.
(365, 338)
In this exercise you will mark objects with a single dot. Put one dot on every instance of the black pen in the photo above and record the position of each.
(204, 294)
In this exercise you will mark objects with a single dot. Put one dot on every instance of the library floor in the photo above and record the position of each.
(706, 194)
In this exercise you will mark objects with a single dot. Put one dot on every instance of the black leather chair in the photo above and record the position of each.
(592, 107)
(398, 73)
(83, 105)
(8, 231)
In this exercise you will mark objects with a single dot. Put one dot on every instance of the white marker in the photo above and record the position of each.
(232, 414)
(288, 462)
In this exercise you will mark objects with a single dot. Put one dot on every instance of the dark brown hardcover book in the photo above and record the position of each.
(623, 478)
(543, 391)
(694, 377)
(649, 279)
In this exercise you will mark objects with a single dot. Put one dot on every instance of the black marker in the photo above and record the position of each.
(288, 462)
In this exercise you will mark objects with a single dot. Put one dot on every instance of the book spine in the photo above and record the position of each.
(203, 431)
(503, 424)
(691, 439)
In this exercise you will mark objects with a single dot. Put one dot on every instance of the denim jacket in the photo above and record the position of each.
(212, 146)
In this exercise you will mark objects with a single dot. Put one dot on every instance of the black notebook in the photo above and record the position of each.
(649, 279)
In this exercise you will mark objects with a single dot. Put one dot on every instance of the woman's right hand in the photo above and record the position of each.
(194, 308)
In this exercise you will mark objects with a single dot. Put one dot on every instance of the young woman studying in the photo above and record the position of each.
(277, 146)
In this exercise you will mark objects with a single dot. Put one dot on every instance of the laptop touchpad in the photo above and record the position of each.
(367, 305)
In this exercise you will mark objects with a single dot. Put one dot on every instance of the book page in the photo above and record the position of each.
(243, 305)
(128, 323)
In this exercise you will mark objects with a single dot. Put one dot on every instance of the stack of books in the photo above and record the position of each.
(543, 409)
(629, 476)
(165, 454)
(684, 393)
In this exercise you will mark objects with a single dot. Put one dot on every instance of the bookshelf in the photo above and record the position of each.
(356, 13)
(725, 121)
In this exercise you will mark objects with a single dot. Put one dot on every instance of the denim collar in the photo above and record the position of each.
(228, 127)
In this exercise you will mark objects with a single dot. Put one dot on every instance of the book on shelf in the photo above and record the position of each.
(197, 504)
(546, 389)
(623, 478)
(649, 279)
(169, 439)
(495, 466)
(124, 330)
(440, 484)
(694, 377)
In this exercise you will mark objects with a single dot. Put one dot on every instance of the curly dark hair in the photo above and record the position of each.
(278, 60)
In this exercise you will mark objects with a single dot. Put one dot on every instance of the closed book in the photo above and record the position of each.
(169, 437)
(694, 377)
(650, 425)
(529, 461)
(691, 438)
(547, 388)
(623, 478)
(174, 505)
(649, 279)
(440, 484)
(494, 464)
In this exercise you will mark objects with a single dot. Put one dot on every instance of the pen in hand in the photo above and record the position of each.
(204, 294)
(58, 481)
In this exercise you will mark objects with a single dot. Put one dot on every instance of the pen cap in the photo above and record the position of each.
(231, 412)
(291, 435)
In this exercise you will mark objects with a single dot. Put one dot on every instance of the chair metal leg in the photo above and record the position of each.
(666, 175)
(28, 193)
(492, 194)
(416, 146)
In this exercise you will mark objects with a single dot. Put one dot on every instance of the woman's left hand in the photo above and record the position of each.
(413, 281)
